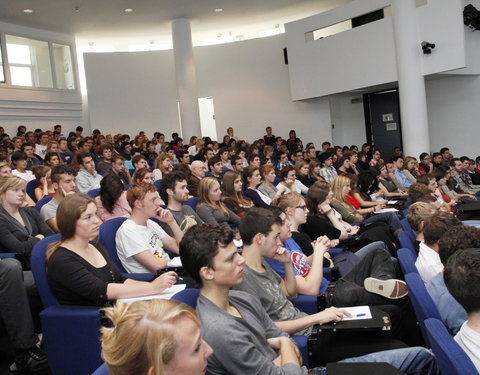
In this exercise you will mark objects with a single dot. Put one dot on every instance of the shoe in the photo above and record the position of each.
(33, 360)
(391, 288)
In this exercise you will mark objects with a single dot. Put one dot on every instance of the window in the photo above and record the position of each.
(63, 67)
(29, 62)
(2, 73)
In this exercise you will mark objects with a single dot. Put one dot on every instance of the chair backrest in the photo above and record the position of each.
(407, 262)
(158, 185)
(42, 202)
(192, 202)
(407, 242)
(422, 302)
(406, 226)
(39, 270)
(93, 193)
(108, 230)
(451, 358)
(188, 296)
(30, 189)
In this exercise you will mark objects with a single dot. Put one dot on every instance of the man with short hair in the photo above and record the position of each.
(64, 152)
(463, 179)
(243, 337)
(87, 177)
(428, 262)
(254, 160)
(310, 153)
(198, 172)
(17, 143)
(237, 164)
(63, 182)
(327, 170)
(21, 130)
(215, 169)
(139, 161)
(283, 161)
(105, 152)
(325, 146)
(446, 155)
(459, 237)
(41, 147)
(225, 158)
(462, 277)
(175, 193)
(269, 138)
(32, 159)
(140, 241)
(297, 156)
(399, 175)
(184, 157)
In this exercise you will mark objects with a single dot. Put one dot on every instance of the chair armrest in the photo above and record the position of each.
(139, 276)
(7, 255)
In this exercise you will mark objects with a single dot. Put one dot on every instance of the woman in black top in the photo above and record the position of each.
(20, 227)
(81, 273)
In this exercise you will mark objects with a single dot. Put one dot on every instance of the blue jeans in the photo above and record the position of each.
(415, 360)
(379, 245)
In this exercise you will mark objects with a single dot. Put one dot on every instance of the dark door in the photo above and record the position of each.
(382, 120)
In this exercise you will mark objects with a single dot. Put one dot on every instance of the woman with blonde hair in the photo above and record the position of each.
(210, 208)
(163, 165)
(80, 272)
(157, 337)
(20, 227)
(232, 194)
(341, 187)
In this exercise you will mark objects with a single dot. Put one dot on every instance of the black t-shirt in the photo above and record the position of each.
(74, 281)
(317, 226)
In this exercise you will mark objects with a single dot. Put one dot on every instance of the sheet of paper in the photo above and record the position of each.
(382, 211)
(167, 294)
(392, 202)
(175, 262)
(358, 313)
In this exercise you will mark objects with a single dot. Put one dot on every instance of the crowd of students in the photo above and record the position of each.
(288, 203)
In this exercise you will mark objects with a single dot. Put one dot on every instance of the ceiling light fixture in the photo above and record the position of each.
(128, 10)
(218, 10)
(27, 11)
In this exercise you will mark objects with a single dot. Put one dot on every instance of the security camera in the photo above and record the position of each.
(427, 47)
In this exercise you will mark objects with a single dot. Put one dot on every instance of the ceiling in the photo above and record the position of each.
(104, 22)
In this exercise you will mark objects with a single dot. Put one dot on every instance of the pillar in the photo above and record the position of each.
(411, 83)
(186, 76)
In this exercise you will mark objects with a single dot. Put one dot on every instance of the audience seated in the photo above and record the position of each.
(211, 209)
(63, 182)
(20, 227)
(233, 197)
(428, 262)
(87, 178)
(461, 273)
(456, 238)
(81, 273)
(112, 200)
(198, 173)
(43, 175)
(140, 240)
(250, 342)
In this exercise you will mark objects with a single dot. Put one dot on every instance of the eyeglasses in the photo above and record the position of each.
(304, 207)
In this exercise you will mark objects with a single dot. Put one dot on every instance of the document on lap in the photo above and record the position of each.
(358, 313)
(167, 294)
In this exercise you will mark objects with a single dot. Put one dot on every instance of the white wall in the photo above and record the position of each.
(348, 120)
(247, 80)
(453, 114)
(37, 107)
(365, 56)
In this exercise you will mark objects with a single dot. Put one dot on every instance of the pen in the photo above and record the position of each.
(359, 315)
(181, 278)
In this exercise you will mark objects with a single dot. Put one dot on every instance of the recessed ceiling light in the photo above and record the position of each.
(27, 11)
(128, 10)
(218, 10)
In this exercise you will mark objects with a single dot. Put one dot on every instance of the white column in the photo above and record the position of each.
(411, 84)
(186, 76)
